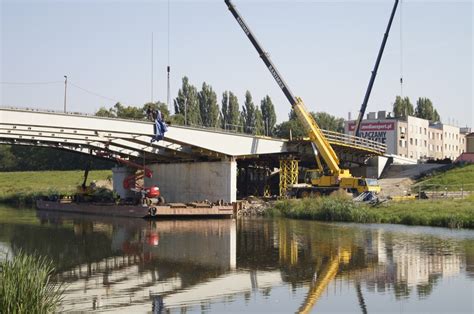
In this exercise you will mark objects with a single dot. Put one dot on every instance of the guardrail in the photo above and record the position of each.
(440, 191)
(354, 142)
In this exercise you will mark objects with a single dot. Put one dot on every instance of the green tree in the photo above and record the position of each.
(248, 114)
(230, 112)
(293, 127)
(323, 119)
(268, 115)
(7, 158)
(187, 103)
(259, 128)
(329, 122)
(128, 112)
(104, 112)
(425, 110)
(208, 107)
(402, 107)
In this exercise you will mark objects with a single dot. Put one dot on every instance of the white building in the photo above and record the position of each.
(412, 137)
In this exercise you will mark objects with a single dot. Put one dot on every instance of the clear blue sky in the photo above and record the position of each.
(325, 50)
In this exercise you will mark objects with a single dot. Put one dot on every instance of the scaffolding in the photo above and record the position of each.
(288, 174)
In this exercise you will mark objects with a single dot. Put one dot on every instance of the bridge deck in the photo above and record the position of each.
(132, 138)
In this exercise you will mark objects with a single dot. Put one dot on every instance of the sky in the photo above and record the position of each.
(325, 51)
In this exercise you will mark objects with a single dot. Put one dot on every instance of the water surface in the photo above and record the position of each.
(251, 265)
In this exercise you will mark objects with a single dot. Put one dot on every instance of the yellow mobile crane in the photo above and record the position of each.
(322, 180)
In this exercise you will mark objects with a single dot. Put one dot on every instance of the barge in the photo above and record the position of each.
(171, 210)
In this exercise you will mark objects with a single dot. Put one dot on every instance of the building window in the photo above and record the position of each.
(425, 143)
(411, 141)
(416, 141)
(425, 131)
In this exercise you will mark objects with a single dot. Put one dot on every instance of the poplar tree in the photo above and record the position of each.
(208, 107)
(402, 107)
(187, 103)
(268, 115)
(248, 114)
(425, 110)
(230, 112)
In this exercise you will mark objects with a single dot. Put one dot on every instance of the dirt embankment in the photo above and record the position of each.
(398, 179)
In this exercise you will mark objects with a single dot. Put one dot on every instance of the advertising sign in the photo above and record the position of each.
(375, 131)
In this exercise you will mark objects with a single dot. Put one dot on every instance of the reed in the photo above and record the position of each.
(25, 285)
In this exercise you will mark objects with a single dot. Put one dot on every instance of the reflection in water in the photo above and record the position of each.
(262, 265)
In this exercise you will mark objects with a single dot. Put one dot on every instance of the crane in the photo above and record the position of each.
(322, 180)
(374, 72)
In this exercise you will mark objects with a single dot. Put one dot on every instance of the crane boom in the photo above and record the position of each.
(310, 125)
(374, 72)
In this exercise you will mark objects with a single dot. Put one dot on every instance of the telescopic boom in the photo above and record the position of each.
(276, 75)
(374, 72)
(310, 125)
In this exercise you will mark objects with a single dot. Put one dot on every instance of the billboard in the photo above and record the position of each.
(380, 131)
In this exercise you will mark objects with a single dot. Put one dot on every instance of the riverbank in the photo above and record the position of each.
(437, 213)
(22, 187)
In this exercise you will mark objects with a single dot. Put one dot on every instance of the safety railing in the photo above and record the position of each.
(354, 142)
(440, 191)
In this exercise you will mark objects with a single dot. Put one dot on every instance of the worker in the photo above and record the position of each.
(93, 185)
(149, 113)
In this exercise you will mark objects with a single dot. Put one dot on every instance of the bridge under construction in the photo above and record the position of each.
(190, 163)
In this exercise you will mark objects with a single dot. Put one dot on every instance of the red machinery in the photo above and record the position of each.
(130, 182)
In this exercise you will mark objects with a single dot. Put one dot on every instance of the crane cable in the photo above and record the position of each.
(168, 67)
(401, 48)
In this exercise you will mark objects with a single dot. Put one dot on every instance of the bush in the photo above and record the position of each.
(337, 207)
(25, 285)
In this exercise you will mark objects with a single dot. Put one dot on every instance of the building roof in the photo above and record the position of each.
(466, 157)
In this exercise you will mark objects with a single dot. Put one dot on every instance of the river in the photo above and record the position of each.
(247, 265)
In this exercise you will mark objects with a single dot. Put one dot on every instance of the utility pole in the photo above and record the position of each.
(151, 68)
(65, 92)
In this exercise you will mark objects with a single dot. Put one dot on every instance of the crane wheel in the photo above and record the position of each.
(305, 194)
(161, 200)
(152, 211)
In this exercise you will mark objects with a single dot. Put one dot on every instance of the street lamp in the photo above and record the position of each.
(65, 91)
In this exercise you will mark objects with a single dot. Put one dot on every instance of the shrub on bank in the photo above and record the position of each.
(25, 285)
(446, 213)
(332, 208)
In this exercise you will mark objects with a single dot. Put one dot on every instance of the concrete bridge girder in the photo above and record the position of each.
(209, 140)
(161, 147)
(100, 146)
(166, 150)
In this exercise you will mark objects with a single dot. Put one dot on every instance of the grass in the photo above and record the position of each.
(444, 213)
(22, 187)
(25, 285)
(453, 179)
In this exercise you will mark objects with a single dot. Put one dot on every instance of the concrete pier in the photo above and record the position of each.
(118, 175)
(195, 181)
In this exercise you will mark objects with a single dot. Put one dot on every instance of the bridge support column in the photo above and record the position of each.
(196, 181)
(118, 175)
